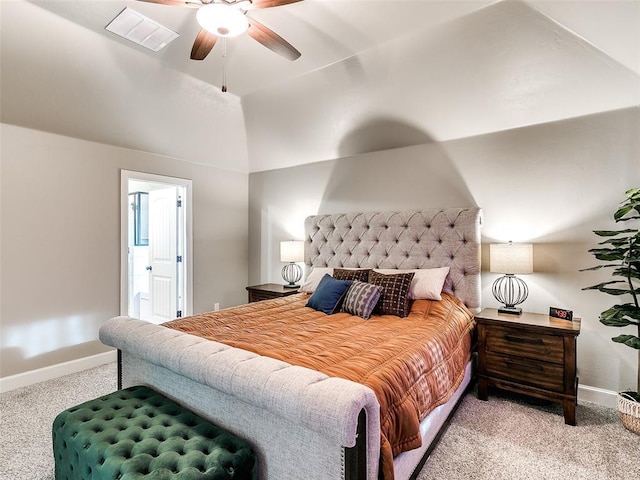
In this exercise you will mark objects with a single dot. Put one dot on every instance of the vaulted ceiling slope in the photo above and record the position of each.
(504, 66)
(373, 75)
(61, 77)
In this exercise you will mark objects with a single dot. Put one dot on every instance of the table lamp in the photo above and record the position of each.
(292, 251)
(511, 259)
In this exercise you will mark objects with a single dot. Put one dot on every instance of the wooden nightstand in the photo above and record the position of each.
(267, 291)
(532, 354)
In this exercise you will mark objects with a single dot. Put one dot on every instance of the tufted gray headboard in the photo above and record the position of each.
(403, 240)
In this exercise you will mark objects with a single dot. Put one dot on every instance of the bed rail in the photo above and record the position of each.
(278, 407)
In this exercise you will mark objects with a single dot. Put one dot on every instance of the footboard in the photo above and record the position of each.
(301, 423)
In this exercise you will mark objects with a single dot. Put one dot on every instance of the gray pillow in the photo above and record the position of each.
(361, 299)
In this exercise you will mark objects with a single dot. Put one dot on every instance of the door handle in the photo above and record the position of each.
(148, 267)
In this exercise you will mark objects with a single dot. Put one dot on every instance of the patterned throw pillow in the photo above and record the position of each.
(395, 293)
(361, 299)
(427, 283)
(360, 274)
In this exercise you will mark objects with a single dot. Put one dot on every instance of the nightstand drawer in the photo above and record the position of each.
(269, 291)
(512, 341)
(259, 296)
(549, 376)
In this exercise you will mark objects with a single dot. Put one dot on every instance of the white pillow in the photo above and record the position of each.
(427, 283)
(312, 281)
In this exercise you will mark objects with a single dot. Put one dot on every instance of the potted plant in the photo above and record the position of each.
(620, 249)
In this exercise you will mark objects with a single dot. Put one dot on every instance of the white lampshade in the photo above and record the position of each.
(222, 20)
(292, 251)
(511, 258)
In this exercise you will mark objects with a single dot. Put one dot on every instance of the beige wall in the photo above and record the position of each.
(550, 184)
(60, 242)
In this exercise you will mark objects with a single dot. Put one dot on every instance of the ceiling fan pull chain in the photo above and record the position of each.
(224, 64)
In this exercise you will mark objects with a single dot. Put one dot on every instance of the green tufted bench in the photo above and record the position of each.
(136, 433)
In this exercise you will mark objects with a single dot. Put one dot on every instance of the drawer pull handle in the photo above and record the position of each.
(527, 366)
(513, 338)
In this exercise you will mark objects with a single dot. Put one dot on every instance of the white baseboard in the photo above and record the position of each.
(597, 395)
(54, 371)
(586, 393)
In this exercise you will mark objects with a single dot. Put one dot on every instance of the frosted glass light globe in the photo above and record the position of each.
(222, 20)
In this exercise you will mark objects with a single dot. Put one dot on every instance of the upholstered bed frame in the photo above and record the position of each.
(302, 423)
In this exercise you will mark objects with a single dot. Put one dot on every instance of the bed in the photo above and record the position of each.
(304, 423)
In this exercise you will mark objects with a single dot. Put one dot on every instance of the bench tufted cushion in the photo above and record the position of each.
(137, 433)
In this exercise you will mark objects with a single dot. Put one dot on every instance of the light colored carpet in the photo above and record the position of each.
(26, 416)
(502, 439)
(508, 438)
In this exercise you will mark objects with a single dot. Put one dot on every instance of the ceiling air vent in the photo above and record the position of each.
(137, 28)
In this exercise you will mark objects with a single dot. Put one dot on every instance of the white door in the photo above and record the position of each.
(163, 254)
(171, 239)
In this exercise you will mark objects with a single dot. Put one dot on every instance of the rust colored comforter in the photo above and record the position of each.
(413, 364)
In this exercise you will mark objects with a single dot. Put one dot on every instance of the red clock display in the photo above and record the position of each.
(560, 313)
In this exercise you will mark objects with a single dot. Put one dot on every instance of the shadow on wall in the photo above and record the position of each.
(381, 134)
(384, 177)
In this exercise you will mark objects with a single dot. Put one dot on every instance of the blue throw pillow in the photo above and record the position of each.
(328, 294)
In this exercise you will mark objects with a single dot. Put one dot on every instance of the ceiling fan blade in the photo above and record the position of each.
(203, 44)
(272, 40)
(179, 3)
(270, 3)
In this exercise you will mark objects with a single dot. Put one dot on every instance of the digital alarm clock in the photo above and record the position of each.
(561, 313)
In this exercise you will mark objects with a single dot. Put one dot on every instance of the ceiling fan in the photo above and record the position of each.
(228, 18)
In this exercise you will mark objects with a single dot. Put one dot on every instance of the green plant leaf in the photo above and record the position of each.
(626, 273)
(614, 291)
(619, 271)
(607, 255)
(622, 211)
(604, 287)
(633, 194)
(598, 267)
(607, 249)
(617, 313)
(628, 340)
(613, 233)
(620, 250)
(632, 204)
(621, 243)
(616, 322)
(600, 285)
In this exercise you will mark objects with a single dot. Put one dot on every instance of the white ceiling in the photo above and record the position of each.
(414, 70)
(324, 31)
(330, 31)
(504, 66)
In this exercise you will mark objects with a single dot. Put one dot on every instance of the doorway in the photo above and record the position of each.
(156, 260)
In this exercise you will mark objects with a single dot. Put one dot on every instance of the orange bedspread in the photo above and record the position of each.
(413, 364)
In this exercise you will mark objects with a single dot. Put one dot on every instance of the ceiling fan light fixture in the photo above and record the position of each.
(222, 20)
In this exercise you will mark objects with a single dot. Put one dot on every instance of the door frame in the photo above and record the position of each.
(187, 259)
